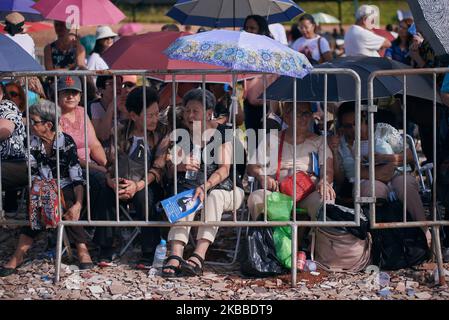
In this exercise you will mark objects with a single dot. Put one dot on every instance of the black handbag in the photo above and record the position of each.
(340, 213)
(132, 167)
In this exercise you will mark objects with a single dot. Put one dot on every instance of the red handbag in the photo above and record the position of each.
(304, 185)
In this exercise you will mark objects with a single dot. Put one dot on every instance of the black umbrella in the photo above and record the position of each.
(432, 20)
(341, 87)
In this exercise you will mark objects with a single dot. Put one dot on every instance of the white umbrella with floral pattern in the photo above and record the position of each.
(240, 51)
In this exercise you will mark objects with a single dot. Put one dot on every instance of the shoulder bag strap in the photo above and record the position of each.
(281, 145)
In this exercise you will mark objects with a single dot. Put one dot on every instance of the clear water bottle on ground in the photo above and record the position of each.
(160, 254)
(196, 154)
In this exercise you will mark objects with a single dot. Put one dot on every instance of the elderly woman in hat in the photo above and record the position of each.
(66, 53)
(44, 144)
(14, 23)
(104, 39)
(72, 122)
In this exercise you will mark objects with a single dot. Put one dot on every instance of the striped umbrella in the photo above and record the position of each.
(231, 13)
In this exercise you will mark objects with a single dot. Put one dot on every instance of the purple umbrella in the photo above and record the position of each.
(22, 6)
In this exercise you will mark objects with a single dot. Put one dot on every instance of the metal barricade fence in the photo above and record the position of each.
(436, 222)
(144, 74)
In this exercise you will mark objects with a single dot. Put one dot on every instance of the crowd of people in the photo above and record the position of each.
(60, 128)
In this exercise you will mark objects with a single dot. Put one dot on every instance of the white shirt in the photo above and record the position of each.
(25, 41)
(362, 42)
(305, 45)
(96, 62)
(277, 30)
(97, 110)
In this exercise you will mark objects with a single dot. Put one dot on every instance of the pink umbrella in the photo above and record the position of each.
(130, 29)
(80, 12)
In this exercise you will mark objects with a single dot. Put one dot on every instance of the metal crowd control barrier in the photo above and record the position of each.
(294, 224)
(435, 223)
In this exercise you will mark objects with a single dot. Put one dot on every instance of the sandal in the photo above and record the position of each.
(4, 272)
(196, 270)
(177, 270)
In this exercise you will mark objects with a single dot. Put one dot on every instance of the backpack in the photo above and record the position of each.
(341, 248)
(397, 248)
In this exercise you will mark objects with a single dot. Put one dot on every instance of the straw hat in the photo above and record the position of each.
(15, 18)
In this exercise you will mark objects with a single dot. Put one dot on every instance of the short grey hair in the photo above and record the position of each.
(197, 95)
(46, 110)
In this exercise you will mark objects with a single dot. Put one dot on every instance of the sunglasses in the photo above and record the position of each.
(13, 94)
(34, 122)
(128, 85)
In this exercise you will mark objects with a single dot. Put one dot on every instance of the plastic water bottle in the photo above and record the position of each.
(310, 266)
(160, 254)
(196, 154)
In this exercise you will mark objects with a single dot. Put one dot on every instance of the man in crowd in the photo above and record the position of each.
(360, 40)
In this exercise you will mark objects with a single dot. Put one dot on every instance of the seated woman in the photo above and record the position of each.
(219, 186)
(389, 159)
(307, 143)
(72, 123)
(43, 148)
(132, 184)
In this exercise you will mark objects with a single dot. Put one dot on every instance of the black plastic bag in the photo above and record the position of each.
(259, 255)
(397, 248)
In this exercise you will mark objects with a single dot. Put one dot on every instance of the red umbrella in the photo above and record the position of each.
(145, 52)
(31, 27)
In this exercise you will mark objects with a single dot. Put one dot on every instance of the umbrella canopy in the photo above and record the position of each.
(129, 29)
(22, 6)
(145, 52)
(240, 51)
(324, 18)
(432, 19)
(231, 13)
(91, 12)
(14, 58)
(341, 87)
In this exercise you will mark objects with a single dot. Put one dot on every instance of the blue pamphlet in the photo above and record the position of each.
(412, 30)
(181, 205)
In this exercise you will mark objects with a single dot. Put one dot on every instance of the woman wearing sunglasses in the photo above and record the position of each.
(308, 144)
(44, 145)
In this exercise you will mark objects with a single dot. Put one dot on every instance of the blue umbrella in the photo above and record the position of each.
(240, 51)
(22, 6)
(231, 13)
(14, 58)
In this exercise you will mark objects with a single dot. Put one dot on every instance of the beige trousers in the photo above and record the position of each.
(256, 204)
(217, 202)
(414, 203)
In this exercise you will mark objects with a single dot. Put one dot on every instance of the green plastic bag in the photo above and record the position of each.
(282, 237)
(279, 207)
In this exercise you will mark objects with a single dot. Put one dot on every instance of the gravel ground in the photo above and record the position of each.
(34, 281)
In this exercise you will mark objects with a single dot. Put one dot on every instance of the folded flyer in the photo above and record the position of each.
(181, 205)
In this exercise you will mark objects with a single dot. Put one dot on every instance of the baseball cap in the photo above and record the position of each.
(69, 83)
(15, 18)
(364, 11)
